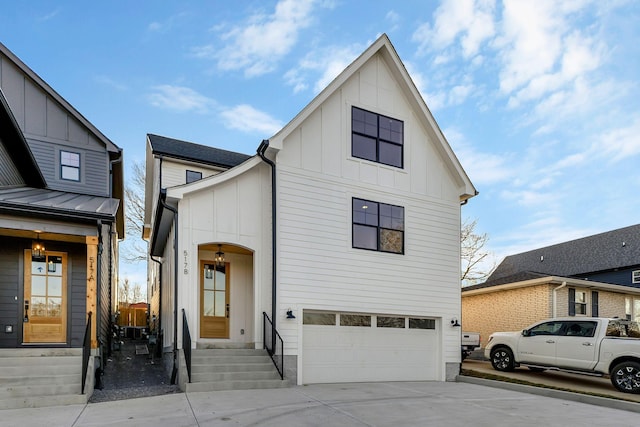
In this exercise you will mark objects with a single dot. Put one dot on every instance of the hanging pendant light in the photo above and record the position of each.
(219, 258)
(37, 248)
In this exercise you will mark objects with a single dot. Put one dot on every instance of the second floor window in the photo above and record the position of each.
(377, 138)
(635, 276)
(70, 166)
(378, 226)
(193, 176)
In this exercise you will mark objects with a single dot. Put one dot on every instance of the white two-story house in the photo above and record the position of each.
(343, 230)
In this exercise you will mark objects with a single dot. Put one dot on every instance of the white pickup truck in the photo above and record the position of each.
(587, 345)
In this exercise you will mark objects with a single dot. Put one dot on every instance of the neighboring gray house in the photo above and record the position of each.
(61, 216)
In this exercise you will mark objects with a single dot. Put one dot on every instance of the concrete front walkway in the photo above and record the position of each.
(369, 404)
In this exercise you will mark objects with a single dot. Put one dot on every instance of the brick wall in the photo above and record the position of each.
(508, 310)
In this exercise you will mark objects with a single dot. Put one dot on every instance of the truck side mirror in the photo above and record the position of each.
(525, 333)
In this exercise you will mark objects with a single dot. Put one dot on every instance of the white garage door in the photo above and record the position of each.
(344, 347)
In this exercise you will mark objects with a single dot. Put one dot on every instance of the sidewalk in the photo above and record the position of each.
(368, 404)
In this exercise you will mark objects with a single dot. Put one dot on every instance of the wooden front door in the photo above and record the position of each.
(214, 300)
(45, 298)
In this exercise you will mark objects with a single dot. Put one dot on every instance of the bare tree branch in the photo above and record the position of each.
(136, 249)
(473, 256)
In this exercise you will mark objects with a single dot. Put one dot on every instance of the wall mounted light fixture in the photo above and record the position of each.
(454, 322)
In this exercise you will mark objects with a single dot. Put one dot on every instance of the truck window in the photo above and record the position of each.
(547, 328)
(623, 328)
(581, 329)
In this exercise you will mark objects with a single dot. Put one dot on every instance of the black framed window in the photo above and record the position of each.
(193, 176)
(377, 138)
(69, 165)
(378, 226)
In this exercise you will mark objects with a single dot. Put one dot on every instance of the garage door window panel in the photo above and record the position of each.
(355, 320)
(422, 323)
(390, 322)
(325, 319)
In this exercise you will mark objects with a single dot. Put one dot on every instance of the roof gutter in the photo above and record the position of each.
(261, 150)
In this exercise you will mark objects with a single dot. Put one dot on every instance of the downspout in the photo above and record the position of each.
(109, 327)
(175, 287)
(555, 299)
(261, 150)
(159, 318)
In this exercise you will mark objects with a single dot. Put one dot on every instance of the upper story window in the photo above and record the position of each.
(378, 226)
(70, 165)
(635, 276)
(377, 138)
(193, 176)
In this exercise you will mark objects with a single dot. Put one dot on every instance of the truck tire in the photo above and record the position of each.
(502, 359)
(625, 377)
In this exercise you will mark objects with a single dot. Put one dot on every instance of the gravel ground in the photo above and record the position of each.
(128, 375)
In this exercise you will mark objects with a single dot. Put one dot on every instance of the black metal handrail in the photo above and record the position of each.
(273, 344)
(186, 343)
(86, 351)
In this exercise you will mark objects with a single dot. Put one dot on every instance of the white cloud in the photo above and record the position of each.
(619, 144)
(248, 119)
(393, 18)
(471, 21)
(257, 46)
(325, 64)
(180, 98)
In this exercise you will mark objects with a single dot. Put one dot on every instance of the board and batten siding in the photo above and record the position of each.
(317, 179)
(48, 127)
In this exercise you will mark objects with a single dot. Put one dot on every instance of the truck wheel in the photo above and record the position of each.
(502, 359)
(625, 377)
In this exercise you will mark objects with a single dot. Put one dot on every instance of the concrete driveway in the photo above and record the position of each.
(364, 404)
(580, 383)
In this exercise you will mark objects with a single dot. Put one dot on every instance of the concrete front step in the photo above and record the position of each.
(39, 360)
(235, 385)
(40, 390)
(39, 352)
(30, 371)
(232, 376)
(43, 401)
(232, 367)
(40, 377)
(198, 352)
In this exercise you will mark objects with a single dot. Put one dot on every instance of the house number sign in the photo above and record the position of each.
(186, 264)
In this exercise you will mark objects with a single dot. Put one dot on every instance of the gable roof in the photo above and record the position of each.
(597, 253)
(16, 146)
(192, 152)
(110, 146)
(384, 47)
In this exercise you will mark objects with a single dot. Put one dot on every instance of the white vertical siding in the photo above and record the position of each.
(317, 179)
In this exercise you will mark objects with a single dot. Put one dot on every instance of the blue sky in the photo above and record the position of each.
(539, 99)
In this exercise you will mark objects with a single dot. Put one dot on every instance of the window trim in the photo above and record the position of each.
(378, 139)
(64, 165)
(377, 227)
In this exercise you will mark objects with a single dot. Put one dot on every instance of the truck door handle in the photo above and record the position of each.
(588, 344)
(550, 341)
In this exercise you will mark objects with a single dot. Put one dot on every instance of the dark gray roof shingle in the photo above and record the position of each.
(195, 152)
(598, 253)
